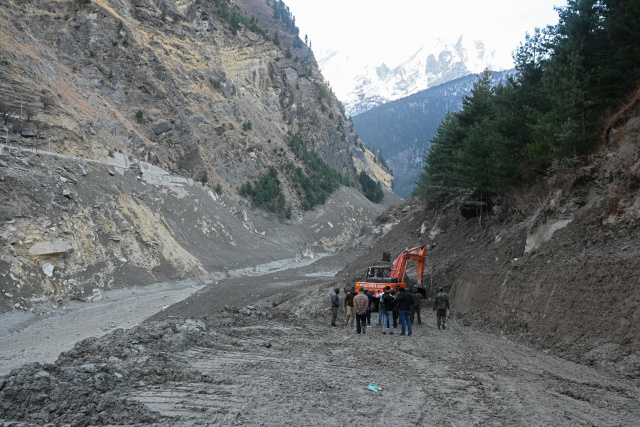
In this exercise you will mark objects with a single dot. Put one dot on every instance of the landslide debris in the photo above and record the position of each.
(555, 266)
(259, 365)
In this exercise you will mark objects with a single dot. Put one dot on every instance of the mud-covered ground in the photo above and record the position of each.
(276, 361)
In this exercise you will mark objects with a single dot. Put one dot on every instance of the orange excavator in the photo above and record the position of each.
(381, 276)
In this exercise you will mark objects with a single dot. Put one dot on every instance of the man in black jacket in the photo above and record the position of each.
(405, 301)
(335, 303)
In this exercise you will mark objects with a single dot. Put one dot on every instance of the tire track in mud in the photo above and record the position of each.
(265, 366)
(435, 377)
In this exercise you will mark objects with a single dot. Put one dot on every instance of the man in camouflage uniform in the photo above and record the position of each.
(415, 308)
(441, 305)
(348, 304)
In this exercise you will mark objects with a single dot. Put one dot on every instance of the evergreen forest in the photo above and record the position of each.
(403, 128)
(569, 78)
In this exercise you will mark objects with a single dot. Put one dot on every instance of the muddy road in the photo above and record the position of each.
(260, 351)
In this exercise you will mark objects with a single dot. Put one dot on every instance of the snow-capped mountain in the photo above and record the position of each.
(361, 86)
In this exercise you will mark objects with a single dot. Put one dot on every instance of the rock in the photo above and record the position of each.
(95, 297)
(89, 368)
(17, 153)
(66, 193)
(3, 164)
(123, 225)
(68, 179)
(8, 295)
(28, 133)
(117, 374)
(423, 228)
(57, 247)
(42, 374)
(162, 128)
(543, 234)
(48, 269)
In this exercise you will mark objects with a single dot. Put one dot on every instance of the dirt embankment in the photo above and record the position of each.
(556, 266)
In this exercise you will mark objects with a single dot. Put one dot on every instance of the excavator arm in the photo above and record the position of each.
(417, 254)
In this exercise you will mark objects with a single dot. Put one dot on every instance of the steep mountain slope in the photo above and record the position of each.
(402, 128)
(129, 127)
(170, 83)
(556, 265)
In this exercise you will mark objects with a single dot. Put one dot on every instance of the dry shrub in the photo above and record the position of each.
(634, 172)
(629, 108)
(614, 201)
(555, 200)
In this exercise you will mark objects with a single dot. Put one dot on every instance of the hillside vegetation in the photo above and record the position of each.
(399, 132)
(570, 77)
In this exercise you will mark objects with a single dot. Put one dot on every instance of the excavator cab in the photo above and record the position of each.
(378, 273)
(378, 277)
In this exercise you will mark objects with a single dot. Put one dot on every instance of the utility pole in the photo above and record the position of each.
(49, 144)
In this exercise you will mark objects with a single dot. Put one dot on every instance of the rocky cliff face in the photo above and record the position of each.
(129, 127)
(169, 83)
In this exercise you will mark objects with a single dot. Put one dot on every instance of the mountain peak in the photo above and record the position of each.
(362, 85)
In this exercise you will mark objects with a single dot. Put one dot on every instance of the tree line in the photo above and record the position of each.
(316, 183)
(569, 77)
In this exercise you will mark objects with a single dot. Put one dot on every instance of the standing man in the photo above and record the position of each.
(335, 303)
(396, 312)
(348, 303)
(360, 303)
(405, 301)
(388, 301)
(370, 298)
(415, 308)
(380, 308)
(441, 304)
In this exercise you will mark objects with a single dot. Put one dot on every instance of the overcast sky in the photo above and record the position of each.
(393, 29)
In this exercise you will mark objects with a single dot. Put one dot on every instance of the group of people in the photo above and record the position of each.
(392, 306)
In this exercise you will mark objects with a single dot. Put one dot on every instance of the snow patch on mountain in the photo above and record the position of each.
(362, 86)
